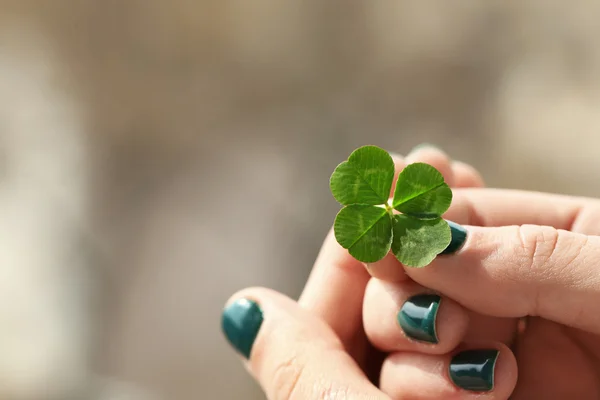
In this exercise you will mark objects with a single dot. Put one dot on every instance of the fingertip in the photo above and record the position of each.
(475, 371)
(408, 317)
(256, 294)
(290, 352)
(507, 369)
(398, 158)
(251, 311)
(435, 157)
(466, 176)
(489, 368)
(452, 323)
(241, 320)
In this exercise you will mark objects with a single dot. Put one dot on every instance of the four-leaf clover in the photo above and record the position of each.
(371, 224)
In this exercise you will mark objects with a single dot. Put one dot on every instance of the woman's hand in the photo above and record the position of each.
(521, 256)
(318, 349)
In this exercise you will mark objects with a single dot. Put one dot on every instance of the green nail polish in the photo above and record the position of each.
(418, 315)
(240, 322)
(473, 370)
(459, 236)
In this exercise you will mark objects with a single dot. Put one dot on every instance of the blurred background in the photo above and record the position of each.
(157, 156)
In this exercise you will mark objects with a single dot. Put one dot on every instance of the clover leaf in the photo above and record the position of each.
(370, 224)
(366, 178)
(418, 241)
(421, 192)
(366, 231)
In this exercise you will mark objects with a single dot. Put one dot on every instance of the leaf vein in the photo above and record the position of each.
(365, 179)
(367, 230)
(420, 194)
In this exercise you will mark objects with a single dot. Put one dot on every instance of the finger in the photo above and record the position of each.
(518, 271)
(292, 354)
(478, 371)
(408, 317)
(501, 207)
(436, 158)
(465, 176)
(334, 293)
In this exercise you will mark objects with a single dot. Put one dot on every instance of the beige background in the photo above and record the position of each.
(160, 155)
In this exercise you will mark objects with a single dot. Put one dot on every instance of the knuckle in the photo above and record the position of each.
(549, 256)
(291, 382)
(287, 376)
(331, 392)
(538, 246)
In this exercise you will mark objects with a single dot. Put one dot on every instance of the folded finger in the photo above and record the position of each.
(485, 371)
(408, 317)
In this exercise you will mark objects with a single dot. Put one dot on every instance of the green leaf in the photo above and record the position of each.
(366, 178)
(366, 231)
(366, 225)
(421, 192)
(418, 241)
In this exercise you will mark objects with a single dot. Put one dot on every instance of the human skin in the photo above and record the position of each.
(317, 348)
(526, 255)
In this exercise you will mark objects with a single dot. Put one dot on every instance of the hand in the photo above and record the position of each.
(317, 349)
(523, 255)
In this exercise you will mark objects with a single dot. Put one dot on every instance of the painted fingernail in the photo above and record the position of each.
(473, 370)
(459, 236)
(418, 315)
(241, 322)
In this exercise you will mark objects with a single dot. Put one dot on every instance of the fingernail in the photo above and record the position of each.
(459, 236)
(418, 315)
(474, 369)
(424, 146)
(240, 322)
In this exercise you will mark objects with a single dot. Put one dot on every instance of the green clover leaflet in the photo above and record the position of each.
(371, 224)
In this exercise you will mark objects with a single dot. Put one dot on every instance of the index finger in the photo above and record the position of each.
(500, 207)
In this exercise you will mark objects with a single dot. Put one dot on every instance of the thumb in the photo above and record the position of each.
(292, 354)
(519, 271)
